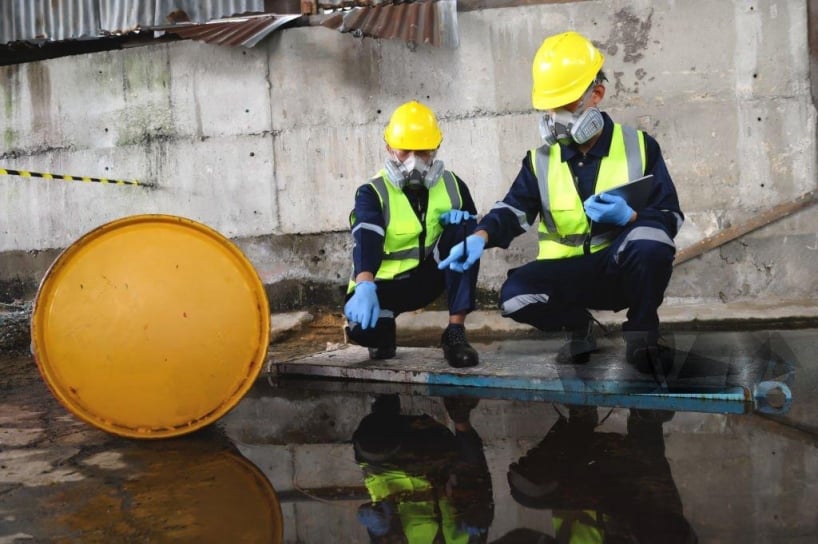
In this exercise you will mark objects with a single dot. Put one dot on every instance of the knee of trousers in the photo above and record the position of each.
(517, 302)
(649, 252)
(513, 288)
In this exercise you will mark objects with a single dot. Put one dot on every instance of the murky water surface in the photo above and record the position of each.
(329, 461)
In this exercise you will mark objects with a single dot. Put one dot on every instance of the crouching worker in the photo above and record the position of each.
(628, 262)
(405, 221)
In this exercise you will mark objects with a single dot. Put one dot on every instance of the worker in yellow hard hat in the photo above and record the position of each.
(597, 250)
(405, 220)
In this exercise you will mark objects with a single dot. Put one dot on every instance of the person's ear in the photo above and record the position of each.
(597, 95)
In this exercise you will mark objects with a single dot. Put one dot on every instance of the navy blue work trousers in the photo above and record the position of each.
(553, 294)
(420, 286)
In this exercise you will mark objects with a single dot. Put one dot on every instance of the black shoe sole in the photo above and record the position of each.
(463, 359)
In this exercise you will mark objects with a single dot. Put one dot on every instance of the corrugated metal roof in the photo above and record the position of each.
(235, 31)
(58, 20)
(432, 22)
(226, 22)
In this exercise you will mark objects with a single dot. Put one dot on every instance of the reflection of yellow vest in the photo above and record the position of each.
(579, 527)
(402, 249)
(564, 227)
(418, 503)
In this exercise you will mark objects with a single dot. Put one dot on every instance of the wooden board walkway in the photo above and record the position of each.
(525, 370)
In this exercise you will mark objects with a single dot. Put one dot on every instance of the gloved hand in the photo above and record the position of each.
(607, 208)
(363, 307)
(474, 248)
(455, 217)
(377, 517)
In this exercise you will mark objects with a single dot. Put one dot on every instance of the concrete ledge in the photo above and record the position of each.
(768, 313)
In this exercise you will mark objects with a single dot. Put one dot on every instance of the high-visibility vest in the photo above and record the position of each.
(564, 228)
(579, 527)
(423, 514)
(404, 233)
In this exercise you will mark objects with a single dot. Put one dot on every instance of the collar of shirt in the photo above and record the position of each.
(601, 147)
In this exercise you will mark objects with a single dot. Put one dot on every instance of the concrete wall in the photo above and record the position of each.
(267, 145)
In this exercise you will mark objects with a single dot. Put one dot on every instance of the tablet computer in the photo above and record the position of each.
(636, 193)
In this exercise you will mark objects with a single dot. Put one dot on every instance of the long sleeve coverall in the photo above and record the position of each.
(421, 285)
(632, 272)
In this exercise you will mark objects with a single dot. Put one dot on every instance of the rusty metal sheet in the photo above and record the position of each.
(235, 31)
(430, 22)
(225, 22)
(88, 19)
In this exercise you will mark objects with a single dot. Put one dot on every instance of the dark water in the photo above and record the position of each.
(329, 461)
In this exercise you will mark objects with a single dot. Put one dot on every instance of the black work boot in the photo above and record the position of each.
(380, 339)
(581, 344)
(647, 355)
(383, 352)
(456, 348)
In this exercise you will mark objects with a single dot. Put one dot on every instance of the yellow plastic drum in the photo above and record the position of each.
(150, 326)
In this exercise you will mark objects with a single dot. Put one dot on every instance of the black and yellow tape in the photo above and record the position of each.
(67, 177)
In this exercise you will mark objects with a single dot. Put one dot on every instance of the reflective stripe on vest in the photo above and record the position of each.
(564, 227)
(401, 250)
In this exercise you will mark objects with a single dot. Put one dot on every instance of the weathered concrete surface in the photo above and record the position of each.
(267, 145)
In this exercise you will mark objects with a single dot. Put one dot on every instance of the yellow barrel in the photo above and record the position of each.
(150, 326)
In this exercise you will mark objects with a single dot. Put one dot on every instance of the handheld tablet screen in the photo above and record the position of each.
(636, 193)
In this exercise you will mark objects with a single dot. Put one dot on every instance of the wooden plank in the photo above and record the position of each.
(759, 220)
(527, 371)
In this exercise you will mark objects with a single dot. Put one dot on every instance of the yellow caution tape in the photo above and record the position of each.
(66, 177)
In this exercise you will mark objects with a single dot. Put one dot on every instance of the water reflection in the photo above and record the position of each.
(300, 457)
(601, 486)
(426, 483)
(193, 489)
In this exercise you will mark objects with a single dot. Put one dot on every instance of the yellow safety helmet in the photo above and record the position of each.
(564, 67)
(413, 126)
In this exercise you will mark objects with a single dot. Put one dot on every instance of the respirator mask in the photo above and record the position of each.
(414, 171)
(562, 126)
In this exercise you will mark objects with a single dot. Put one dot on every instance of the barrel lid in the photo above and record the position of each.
(150, 326)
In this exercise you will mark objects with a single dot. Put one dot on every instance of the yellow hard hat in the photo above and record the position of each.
(563, 69)
(413, 126)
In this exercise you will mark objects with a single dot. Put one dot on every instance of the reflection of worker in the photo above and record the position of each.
(405, 220)
(426, 483)
(602, 486)
(626, 260)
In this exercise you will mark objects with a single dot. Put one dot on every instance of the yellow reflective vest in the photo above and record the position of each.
(564, 228)
(408, 241)
(426, 514)
(580, 527)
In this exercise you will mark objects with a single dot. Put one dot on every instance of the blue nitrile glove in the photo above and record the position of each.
(606, 208)
(474, 248)
(376, 517)
(363, 307)
(455, 217)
